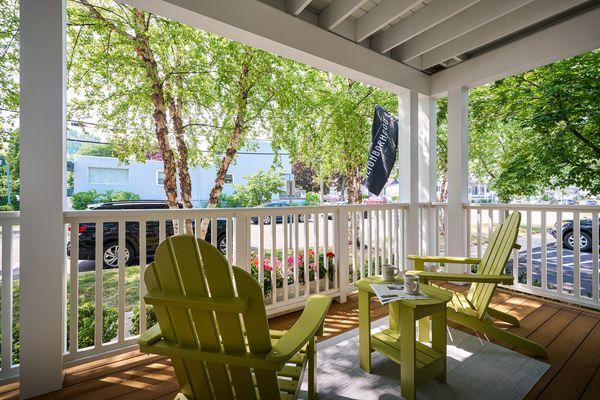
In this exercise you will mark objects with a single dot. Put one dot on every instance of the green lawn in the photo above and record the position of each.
(110, 285)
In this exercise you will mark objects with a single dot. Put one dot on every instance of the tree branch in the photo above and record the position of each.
(108, 23)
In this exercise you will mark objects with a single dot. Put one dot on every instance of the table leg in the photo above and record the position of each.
(407, 352)
(394, 316)
(364, 329)
(424, 336)
(438, 339)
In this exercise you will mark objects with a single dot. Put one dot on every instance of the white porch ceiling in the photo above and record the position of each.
(392, 44)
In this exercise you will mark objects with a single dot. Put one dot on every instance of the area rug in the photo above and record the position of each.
(477, 369)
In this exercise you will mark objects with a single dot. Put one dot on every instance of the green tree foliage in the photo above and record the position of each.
(259, 189)
(98, 150)
(534, 131)
(329, 128)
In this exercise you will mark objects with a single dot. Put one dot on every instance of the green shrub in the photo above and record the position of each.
(81, 200)
(87, 324)
(135, 319)
(313, 198)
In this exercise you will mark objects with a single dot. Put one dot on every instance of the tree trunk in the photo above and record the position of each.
(143, 50)
(185, 182)
(238, 132)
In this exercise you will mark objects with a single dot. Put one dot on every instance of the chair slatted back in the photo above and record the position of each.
(493, 262)
(186, 267)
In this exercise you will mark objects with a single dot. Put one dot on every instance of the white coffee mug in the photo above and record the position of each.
(389, 272)
(411, 284)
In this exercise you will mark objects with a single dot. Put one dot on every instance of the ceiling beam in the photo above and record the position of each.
(337, 11)
(526, 16)
(468, 20)
(417, 23)
(380, 16)
(290, 37)
(295, 7)
(565, 39)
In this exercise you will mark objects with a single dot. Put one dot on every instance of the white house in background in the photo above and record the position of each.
(146, 179)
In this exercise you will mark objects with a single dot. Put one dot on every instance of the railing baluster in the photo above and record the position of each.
(544, 252)
(284, 257)
(99, 283)
(377, 247)
(121, 263)
(468, 241)
(326, 245)
(362, 244)
(273, 259)
(354, 235)
(384, 255)
(390, 237)
(74, 269)
(306, 258)
(296, 263)
(261, 250)
(370, 248)
(143, 252)
(595, 266)
(576, 253)
(396, 218)
(229, 239)
(317, 244)
(559, 252)
(7, 297)
(529, 263)
(479, 233)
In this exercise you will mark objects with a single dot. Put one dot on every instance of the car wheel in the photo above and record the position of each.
(222, 243)
(301, 218)
(585, 241)
(267, 220)
(110, 256)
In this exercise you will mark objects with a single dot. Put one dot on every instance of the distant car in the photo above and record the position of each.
(588, 202)
(568, 238)
(278, 218)
(87, 234)
(376, 200)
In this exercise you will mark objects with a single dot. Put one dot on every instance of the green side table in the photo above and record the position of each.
(418, 362)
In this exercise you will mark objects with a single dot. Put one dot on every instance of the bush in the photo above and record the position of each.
(313, 199)
(135, 319)
(81, 200)
(87, 324)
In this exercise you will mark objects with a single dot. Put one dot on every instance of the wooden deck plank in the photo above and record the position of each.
(572, 335)
(561, 349)
(578, 370)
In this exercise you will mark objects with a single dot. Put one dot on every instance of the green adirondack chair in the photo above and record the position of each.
(473, 310)
(213, 324)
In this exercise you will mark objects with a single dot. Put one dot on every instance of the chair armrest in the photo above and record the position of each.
(421, 260)
(306, 327)
(439, 276)
(151, 336)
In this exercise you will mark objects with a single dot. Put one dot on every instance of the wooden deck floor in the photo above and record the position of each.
(572, 336)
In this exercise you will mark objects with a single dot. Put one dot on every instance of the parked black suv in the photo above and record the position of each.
(87, 234)
(568, 239)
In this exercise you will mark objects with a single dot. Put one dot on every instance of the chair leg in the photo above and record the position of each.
(508, 337)
(511, 319)
(311, 352)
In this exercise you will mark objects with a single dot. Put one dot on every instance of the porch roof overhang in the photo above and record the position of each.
(426, 46)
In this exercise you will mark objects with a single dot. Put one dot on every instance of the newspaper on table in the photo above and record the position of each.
(387, 293)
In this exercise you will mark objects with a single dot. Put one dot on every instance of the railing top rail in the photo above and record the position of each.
(219, 212)
(533, 207)
(10, 215)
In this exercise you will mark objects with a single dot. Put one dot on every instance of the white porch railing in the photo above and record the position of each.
(545, 265)
(292, 251)
(307, 250)
(9, 222)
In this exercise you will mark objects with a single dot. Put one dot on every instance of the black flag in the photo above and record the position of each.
(382, 155)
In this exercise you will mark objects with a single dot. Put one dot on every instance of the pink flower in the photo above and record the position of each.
(312, 266)
(267, 265)
(290, 260)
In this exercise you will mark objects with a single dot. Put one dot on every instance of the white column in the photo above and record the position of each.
(42, 125)
(427, 171)
(458, 173)
(408, 165)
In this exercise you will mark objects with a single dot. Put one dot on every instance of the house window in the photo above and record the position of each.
(160, 178)
(108, 176)
(228, 179)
